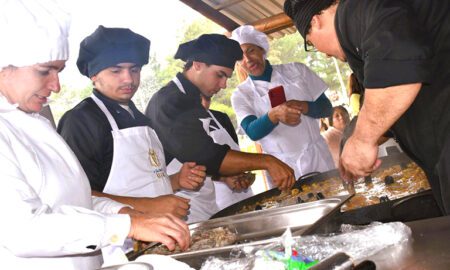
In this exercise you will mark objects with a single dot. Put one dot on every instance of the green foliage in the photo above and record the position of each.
(66, 99)
(290, 49)
(156, 76)
(151, 81)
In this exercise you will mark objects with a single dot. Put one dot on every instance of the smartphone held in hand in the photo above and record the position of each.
(277, 96)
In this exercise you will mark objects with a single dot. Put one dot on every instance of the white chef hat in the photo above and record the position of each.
(32, 31)
(248, 34)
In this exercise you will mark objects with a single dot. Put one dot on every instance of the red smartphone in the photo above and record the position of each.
(276, 96)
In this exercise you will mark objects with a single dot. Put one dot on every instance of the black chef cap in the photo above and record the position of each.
(212, 49)
(107, 47)
(302, 11)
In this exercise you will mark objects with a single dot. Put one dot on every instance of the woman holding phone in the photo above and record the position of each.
(280, 106)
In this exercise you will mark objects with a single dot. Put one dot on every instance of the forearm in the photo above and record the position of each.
(381, 109)
(257, 128)
(122, 199)
(175, 182)
(236, 162)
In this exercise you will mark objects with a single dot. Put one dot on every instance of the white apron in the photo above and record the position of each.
(301, 147)
(203, 202)
(224, 195)
(138, 168)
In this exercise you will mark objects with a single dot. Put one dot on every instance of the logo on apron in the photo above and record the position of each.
(154, 161)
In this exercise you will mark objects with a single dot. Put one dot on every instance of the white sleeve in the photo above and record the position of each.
(107, 206)
(241, 105)
(314, 84)
(30, 228)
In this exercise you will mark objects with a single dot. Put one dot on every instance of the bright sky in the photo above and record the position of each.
(157, 20)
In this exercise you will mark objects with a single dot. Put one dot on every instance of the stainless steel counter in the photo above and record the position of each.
(429, 249)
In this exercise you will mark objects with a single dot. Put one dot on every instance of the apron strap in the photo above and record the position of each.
(215, 120)
(108, 115)
(234, 145)
(179, 84)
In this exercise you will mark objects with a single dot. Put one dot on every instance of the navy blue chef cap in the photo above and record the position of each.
(302, 11)
(107, 47)
(212, 49)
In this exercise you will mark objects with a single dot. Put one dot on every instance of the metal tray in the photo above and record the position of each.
(388, 161)
(272, 222)
(129, 266)
(265, 226)
(327, 207)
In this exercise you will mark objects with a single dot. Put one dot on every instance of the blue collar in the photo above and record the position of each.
(267, 74)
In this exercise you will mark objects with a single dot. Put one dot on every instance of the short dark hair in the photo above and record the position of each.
(189, 64)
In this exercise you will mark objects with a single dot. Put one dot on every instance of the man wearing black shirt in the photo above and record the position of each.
(119, 151)
(400, 51)
(185, 127)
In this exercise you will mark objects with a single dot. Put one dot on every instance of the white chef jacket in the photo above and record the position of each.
(301, 146)
(46, 202)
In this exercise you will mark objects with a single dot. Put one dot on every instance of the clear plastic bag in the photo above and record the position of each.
(358, 242)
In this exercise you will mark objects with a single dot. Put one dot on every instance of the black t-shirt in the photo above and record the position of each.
(394, 42)
(88, 133)
(180, 121)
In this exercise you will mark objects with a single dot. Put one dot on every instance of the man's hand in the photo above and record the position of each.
(358, 159)
(282, 175)
(239, 182)
(191, 176)
(166, 204)
(381, 108)
(166, 229)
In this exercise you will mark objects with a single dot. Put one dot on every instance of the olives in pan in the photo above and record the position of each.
(320, 196)
(388, 180)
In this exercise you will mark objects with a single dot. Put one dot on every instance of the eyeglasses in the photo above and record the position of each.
(309, 47)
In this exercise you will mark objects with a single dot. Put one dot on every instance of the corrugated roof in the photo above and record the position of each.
(233, 13)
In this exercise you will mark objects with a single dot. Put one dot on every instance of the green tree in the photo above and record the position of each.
(67, 99)
(290, 49)
(162, 76)
(151, 81)
(157, 75)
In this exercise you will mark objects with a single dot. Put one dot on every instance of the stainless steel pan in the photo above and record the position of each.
(388, 161)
